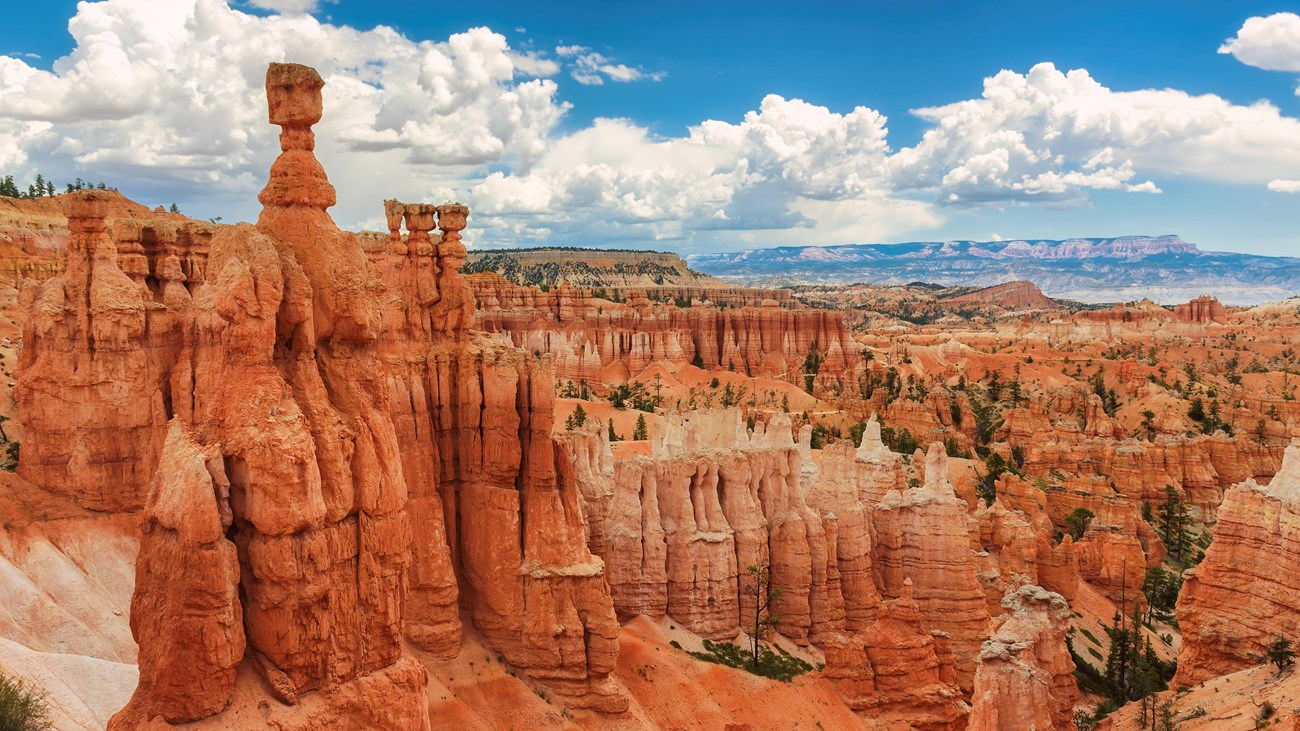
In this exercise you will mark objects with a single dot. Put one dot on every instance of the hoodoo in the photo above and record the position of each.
(328, 460)
(289, 476)
(1242, 596)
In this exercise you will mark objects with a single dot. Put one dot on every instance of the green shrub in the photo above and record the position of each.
(22, 708)
(773, 662)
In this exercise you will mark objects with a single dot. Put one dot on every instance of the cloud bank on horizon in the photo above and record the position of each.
(168, 94)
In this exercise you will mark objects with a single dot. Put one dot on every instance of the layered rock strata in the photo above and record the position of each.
(923, 535)
(1242, 596)
(347, 466)
(600, 341)
(897, 671)
(1025, 679)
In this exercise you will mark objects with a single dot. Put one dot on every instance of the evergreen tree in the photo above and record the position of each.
(994, 466)
(576, 419)
(175, 208)
(1280, 653)
(1118, 661)
(1161, 589)
(1077, 522)
(1172, 520)
(640, 431)
(613, 435)
(765, 595)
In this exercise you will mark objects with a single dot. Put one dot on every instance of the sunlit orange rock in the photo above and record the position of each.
(923, 535)
(1025, 678)
(1241, 597)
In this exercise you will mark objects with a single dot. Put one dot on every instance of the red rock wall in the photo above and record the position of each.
(1025, 678)
(923, 536)
(1242, 596)
(376, 468)
(599, 341)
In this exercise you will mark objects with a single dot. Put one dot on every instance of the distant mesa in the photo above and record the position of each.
(551, 266)
(1165, 268)
(1012, 296)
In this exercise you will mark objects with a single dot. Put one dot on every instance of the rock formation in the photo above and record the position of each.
(681, 525)
(1242, 595)
(347, 465)
(922, 535)
(551, 267)
(1012, 296)
(896, 671)
(185, 548)
(95, 388)
(600, 341)
(1202, 310)
(1025, 679)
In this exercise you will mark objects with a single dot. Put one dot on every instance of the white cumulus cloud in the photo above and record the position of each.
(167, 95)
(1051, 136)
(165, 99)
(789, 165)
(1271, 42)
(289, 7)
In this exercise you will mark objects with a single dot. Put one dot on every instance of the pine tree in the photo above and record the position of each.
(1172, 519)
(175, 208)
(640, 431)
(1148, 424)
(1280, 653)
(1118, 660)
(765, 595)
(613, 435)
(1077, 522)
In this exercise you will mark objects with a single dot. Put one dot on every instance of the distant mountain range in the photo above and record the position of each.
(1163, 268)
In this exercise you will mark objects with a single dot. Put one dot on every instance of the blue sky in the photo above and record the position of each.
(665, 69)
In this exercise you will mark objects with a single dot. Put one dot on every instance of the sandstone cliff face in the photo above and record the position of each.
(285, 389)
(1202, 310)
(923, 535)
(1025, 678)
(184, 546)
(680, 526)
(1242, 595)
(602, 341)
(347, 464)
(95, 386)
(896, 671)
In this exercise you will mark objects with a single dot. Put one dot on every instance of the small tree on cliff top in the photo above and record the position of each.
(1077, 522)
(1280, 653)
(640, 431)
(759, 585)
(576, 419)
